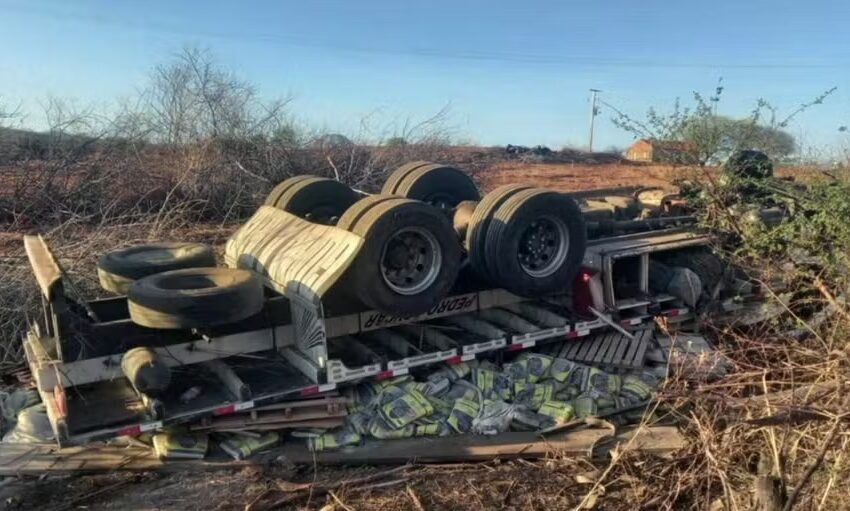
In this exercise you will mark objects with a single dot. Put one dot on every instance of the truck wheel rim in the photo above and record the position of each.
(410, 260)
(543, 246)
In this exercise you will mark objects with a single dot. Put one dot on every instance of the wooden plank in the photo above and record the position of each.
(617, 349)
(636, 347)
(44, 265)
(609, 341)
(315, 423)
(640, 355)
(595, 443)
(276, 417)
(37, 459)
(586, 346)
(620, 352)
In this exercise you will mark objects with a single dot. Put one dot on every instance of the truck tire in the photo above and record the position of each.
(195, 298)
(146, 371)
(317, 199)
(480, 221)
(281, 188)
(400, 173)
(359, 208)
(441, 186)
(535, 243)
(410, 259)
(118, 269)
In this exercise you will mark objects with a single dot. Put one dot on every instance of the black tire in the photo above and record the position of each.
(117, 270)
(480, 221)
(400, 173)
(146, 371)
(195, 298)
(410, 259)
(281, 188)
(462, 215)
(441, 186)
(317, 199)
(535, 243)
(359, 208)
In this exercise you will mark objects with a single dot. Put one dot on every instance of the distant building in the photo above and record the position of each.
(662, 151)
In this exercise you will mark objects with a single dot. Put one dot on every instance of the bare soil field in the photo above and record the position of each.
(587, 176)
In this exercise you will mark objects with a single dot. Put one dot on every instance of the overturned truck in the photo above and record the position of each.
(325, 287)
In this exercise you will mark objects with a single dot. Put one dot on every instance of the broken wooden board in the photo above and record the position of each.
(37, 459)
(588, 442)
(610, 348)
(44, 266)
(326, 412)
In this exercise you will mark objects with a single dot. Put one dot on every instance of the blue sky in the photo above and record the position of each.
(512, 72)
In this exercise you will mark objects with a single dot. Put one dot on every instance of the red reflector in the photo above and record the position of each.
(383, 375)
(130, 431)
(673, 313)
(572, 335)
(224, 410)
(61, 402)
(454, 360)
(514, 347)
(309, 391)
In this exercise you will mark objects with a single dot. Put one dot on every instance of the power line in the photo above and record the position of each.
(437, 53)
(593, 93)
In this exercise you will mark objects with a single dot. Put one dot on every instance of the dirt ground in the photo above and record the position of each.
(555, 483)
(583, 176)
(578, 176)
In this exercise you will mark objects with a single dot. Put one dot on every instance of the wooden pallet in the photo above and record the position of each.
(610, 348)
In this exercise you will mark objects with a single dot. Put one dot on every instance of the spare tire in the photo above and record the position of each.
(410, 258)
(400, 173)
(281, 188)
(118, 269)
(441, 186)
(476, 230)
(146, 371)
(535, 243)
(317, 199)
(195, 298)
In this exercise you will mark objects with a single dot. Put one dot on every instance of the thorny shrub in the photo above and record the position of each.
(779, 418)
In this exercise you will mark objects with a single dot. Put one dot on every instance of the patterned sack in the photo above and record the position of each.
(533, 395)
(561, 411)
(334, 440)
(462, 414)
(406, 408)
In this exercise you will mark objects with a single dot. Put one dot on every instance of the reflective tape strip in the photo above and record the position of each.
(521, 345)
(235, 407)
(139, 428)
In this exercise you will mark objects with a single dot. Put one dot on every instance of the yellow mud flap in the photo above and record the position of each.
(294, 256)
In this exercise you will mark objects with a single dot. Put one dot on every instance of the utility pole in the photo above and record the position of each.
(592, 117)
